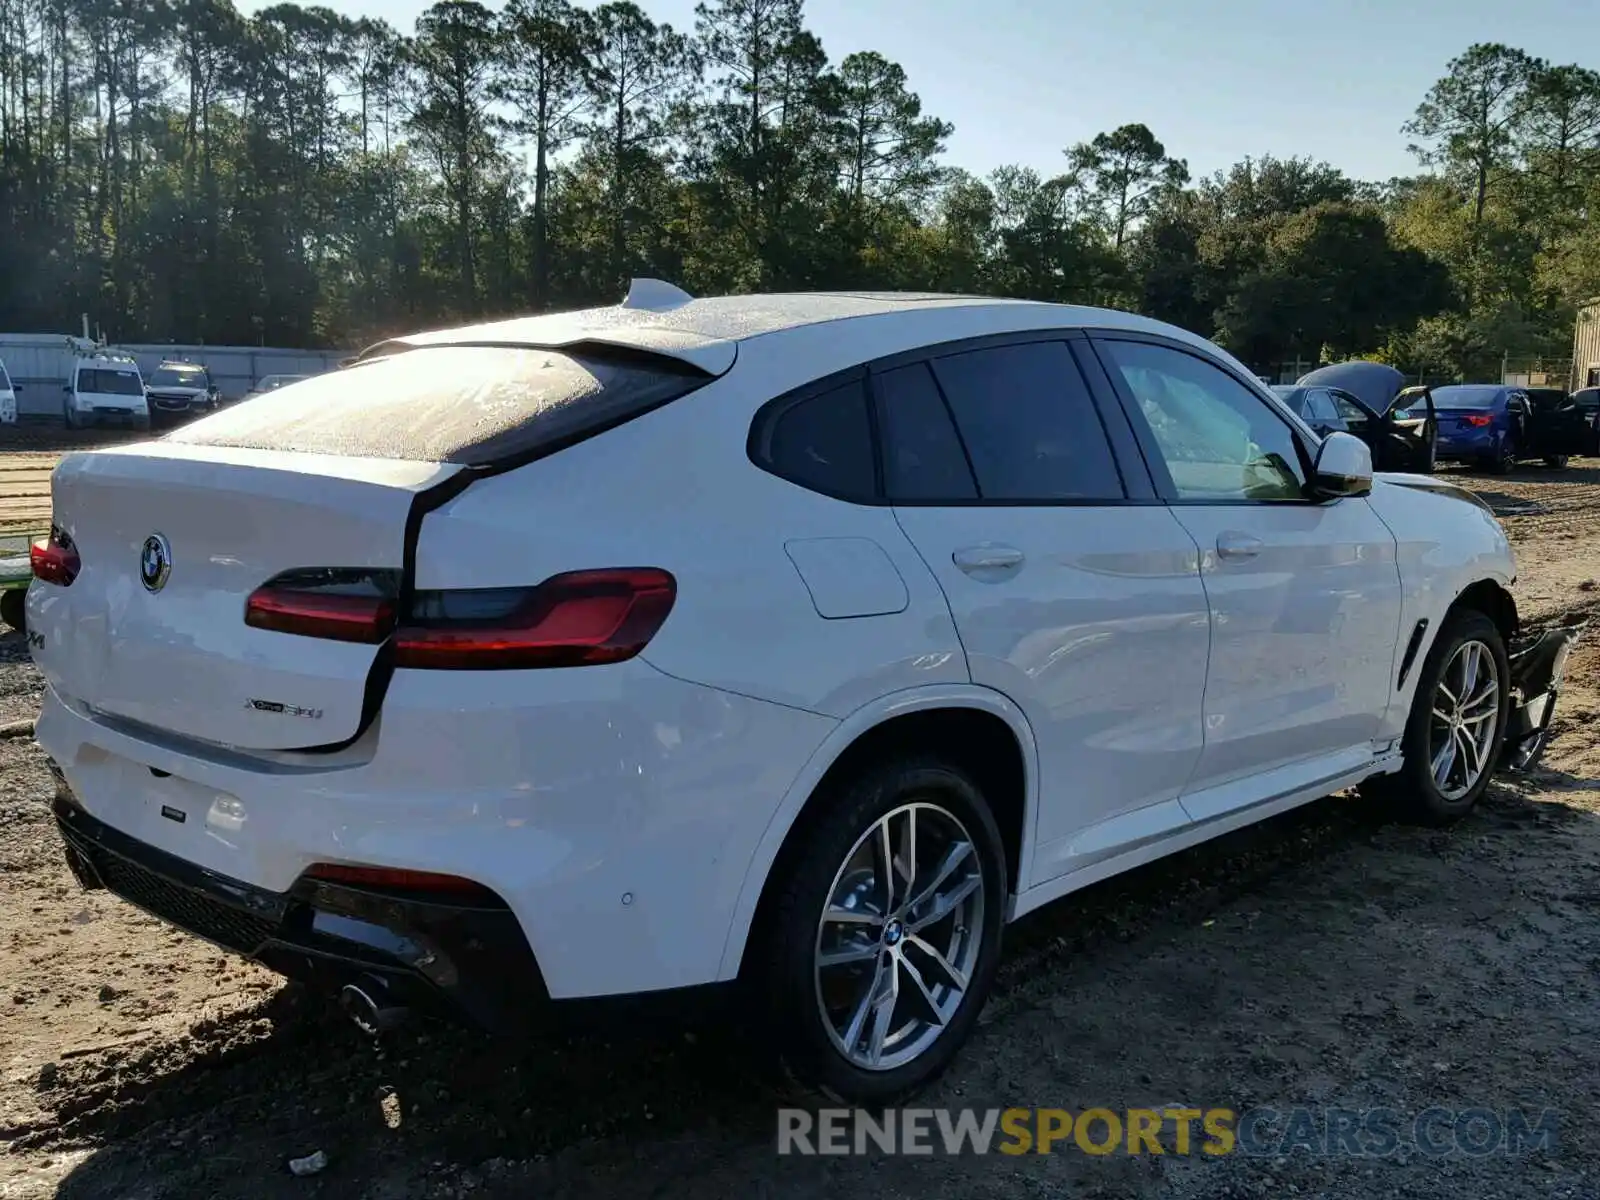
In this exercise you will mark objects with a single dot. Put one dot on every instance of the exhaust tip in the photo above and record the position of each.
(367, 1003)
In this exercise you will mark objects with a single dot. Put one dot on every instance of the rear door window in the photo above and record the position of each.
(1029, 424)
(922, 456)
(458, 404)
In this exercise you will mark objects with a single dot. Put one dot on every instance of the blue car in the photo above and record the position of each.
(1494, 425)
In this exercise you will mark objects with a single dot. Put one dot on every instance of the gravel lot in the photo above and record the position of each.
(1328, 958)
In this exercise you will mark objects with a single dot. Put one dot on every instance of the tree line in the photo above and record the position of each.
(298, 178)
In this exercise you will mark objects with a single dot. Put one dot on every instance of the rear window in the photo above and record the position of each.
(457, 404)
(98, 381)
(1466, 396)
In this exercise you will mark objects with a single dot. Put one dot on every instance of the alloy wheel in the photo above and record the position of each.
(1465, 720)
(899, 936)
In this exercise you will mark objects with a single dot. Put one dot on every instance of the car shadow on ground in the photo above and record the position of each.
(247, 1093)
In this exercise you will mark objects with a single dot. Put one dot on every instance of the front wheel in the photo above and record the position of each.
(1458, 720)
(883, 940)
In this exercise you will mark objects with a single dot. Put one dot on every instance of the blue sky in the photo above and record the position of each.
(1216, 80)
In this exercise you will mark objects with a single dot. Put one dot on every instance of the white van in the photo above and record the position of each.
(106, 386)
(8, 398)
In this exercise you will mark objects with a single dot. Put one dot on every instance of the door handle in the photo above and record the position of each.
(987, 558)
(1234, 547)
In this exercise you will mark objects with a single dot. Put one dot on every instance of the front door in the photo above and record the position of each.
(1073, 596)
(1304, 596)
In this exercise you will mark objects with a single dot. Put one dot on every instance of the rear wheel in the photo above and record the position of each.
(1557, 461)
(1458, 720)
(882, 943)
(1504, 458)
(14, 608)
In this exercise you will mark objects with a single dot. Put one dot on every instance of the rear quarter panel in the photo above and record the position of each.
(675, 489)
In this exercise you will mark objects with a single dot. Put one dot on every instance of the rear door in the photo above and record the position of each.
(1074, 592)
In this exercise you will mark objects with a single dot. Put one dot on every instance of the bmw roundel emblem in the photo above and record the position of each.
(155, 563)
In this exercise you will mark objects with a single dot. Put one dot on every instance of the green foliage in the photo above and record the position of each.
(178, 171)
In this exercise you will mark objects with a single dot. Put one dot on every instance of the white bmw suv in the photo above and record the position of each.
(796, 641)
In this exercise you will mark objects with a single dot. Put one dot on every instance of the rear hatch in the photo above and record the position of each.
(321, 489)
(175, 652)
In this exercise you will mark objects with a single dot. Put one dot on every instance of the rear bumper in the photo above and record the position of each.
(615, 810)
(1467, 449)
(468, 962)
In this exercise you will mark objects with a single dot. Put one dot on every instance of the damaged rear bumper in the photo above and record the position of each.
(470, 962)
(1538, 668)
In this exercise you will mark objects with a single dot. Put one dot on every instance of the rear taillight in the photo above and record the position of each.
(581, 618)
(1477, 422)
(54, 559)
(335, 605)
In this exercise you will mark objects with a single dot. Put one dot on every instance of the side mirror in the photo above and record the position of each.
(15, 388)
(1343, 468)
(67, 388)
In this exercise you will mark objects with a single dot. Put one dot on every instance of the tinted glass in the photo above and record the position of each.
(99, 382)
(1467, 395)
(825, 443)
(1587, 399)
(922, 456)
(459, 404)
(1029, 424)
(1319, 406)
(1351, 413)
(1219, 440)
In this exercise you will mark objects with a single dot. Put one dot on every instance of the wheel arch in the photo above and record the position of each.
(1494, 601)
(980, 729)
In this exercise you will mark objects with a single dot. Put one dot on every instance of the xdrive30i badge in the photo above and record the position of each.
(288, 710)
(155, 563)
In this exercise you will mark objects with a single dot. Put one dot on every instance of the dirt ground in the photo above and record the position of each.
(1327, 958)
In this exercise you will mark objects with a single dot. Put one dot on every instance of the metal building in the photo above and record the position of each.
(1586, 346)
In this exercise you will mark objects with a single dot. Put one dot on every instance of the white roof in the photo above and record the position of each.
(706, 332)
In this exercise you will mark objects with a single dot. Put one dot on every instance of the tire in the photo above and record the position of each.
(1556, 462)
(1504, 459)
(1414, 790)
(142, 424)
(817, 1009)
(14, 608)
(72, 418)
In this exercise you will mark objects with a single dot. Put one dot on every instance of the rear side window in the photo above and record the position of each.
(822, 442)
(922, 455)
(458, 404)
(1029, 424)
